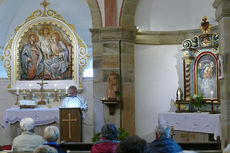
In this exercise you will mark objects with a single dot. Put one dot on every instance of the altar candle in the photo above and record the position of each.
(17, 91)
(30, 87)
(66, 90)
(211, 95)
(55, 87)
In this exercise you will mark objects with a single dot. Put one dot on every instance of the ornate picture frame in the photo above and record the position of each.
(28, 60)
(206, 69)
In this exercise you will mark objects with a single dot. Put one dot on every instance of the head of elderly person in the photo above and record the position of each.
(227, 149)
(27, 124)
(109, 131)
(162, 131)
(72, 90)
(133, 144)
(45, 149)
(51, 133)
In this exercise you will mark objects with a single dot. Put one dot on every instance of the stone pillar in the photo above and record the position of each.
(113, 51)
(223, 18)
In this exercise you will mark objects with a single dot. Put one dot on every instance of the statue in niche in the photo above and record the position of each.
(113, 86)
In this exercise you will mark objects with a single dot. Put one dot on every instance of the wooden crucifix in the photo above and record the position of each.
(70, 125)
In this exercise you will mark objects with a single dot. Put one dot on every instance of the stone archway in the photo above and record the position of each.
(95, 13)
(127, 14)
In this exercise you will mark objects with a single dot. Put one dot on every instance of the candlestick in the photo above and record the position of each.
(211, 95)
(17, 91)
(30, 87)
(66, 90)
(178, 95)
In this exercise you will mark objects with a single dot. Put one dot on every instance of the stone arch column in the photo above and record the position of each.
(223, 18)
(113, 50)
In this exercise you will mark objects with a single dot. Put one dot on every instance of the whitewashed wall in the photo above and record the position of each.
(158, 69)
(170, 15)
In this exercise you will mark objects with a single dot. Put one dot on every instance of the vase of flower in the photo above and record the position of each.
(197, 102)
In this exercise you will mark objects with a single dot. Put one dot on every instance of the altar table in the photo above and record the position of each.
(41, 116)
(192, 122)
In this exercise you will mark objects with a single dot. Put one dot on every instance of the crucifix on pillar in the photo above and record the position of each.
(70, 125)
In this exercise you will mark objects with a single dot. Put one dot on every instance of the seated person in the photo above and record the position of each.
(28, 140)
(109, 142)
(163, 142)
(227, 149)
(133, 144)
(45, 149)
(51, 134)
(73, 100)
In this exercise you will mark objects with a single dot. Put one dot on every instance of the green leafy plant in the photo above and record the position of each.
(197, 101)
(122, 134)
(96, 137)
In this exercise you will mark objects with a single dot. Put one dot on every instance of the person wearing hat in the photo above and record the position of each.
(109, 141)
(28, 140)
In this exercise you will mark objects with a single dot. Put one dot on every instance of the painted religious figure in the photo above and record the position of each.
(53, 58)
(207, 79)
(113, 86)
(45, 40)
(32, 59)
(58, 63)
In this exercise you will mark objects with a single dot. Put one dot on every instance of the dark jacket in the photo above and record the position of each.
(164, 145)
(105, 146)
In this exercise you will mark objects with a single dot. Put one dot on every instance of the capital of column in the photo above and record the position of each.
(222, 9)
(113, 33)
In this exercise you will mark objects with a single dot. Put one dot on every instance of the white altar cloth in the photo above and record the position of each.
(192, 122)
(41, 116)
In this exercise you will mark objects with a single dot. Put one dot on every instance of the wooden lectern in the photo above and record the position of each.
(70, 125)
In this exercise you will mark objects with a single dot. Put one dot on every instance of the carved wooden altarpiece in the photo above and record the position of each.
(40, 30)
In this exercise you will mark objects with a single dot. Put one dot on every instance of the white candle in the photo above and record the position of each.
(55, 87)
(30, 87)
(66, 90)
(17, 91)
(211, 95)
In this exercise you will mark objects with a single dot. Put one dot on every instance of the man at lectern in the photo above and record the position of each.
(75, 101)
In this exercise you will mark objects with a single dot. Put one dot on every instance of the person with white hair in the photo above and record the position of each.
(73, 100)
(227, 149)
(163, 142)
(51, 134)
(45, 149)
(28, 140)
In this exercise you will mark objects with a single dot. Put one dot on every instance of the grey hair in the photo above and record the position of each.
(51, 133)
(45, 149)
(163, 131)
(109, 131)
(227, 149)
(27, 124)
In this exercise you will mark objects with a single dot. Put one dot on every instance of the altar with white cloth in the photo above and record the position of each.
(192, 122)
(41, 116)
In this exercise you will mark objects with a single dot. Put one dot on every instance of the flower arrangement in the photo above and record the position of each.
(197, 101)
